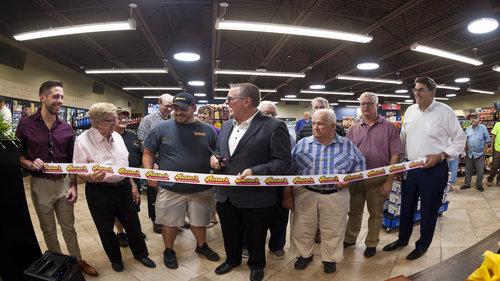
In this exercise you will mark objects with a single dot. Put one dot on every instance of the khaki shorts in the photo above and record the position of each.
(171, 207)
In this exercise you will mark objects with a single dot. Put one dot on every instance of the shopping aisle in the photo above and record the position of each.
(472, 216)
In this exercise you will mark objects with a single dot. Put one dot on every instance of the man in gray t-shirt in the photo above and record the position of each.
(183, 145)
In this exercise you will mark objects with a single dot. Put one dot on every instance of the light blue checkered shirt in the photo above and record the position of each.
(340, 156)
(148, 123)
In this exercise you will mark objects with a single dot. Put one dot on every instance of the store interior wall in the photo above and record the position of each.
(473, 101)
(24, 84)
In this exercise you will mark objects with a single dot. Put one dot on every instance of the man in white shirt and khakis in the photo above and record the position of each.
(430, 129)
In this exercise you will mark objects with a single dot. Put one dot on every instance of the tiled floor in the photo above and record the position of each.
(472, 216)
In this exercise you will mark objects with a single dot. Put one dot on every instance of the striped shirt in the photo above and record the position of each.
(148, 123)
(340, 156)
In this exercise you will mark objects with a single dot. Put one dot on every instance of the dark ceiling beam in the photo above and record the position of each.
(59, 17)
(146, 31)
(396, 13)
(299, 20)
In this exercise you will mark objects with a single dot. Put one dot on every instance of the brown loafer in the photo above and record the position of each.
(87, 268)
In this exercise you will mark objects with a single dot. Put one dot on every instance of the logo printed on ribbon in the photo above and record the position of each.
(302, 180)
(77, 169)
(129, 172)
(53, 168)
(180, 177)
(353, 177)
(248, 181)
(152, 175)
(106, 169)
(416, 164)
(397, 168)
(276, 181)
(326, 179)
(217, 180)
(375, 173)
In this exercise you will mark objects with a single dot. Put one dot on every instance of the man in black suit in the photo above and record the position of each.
(252, 144)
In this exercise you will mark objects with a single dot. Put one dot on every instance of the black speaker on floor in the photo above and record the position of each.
(54, 267)
(18, 244)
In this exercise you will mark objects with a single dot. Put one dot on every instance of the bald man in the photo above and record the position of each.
(146, 125)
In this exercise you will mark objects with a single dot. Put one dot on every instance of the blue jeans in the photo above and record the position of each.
(453, 168)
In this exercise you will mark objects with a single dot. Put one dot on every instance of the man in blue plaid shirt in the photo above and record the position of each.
(325, 206)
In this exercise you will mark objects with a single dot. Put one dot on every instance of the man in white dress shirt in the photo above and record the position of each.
(430, 129)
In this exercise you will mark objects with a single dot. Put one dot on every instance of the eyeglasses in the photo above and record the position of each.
(421, 90)
(166, 105)
(229, 99)
(110, 120)
(362, 104)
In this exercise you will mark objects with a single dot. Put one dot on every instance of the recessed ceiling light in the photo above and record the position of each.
(196, 83)
(496, 68)
(462, 80)
(451, 95)
(482, 25)
(368, 66)
(316, 87)
(401, 91)
(187, 56)
(200, 94)
(203, 101)
(290, 96)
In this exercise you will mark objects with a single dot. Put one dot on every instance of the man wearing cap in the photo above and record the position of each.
(431, 130)
(134, 148)
(183, 144)
(146, 125)
(478, 139)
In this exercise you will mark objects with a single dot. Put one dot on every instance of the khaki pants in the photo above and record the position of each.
(329, 212)
(369, 191)
(49, 198)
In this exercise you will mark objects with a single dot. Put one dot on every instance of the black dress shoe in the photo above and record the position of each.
(302, 263)
(257, 274)
(329, 267)
(370, 251)
(348, 244)
(122, 239)
(117, 266)
(415, 254)
(169, 259)
(224, 268)
(147, 262)
(394, 245)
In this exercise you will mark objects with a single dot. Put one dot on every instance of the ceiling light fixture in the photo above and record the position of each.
(462, 80)
(200, 94)
(409, 101)
(393, 96)
(77, 29)
(287, 99)
(496, 68)
(442, 86)
(290, 96)
(187, 56)
(261, 90)
(482, 25)
(326, 93)
(368, 66)
(451, 95)
(196, 83)
(404, 102)
(203, 101)
(439, 98)
(220, 98)
(317, 87)
(152, 88)
(348, 101)
(353, 106)
(480, 91)
(151, 97)
(445, 54)
(126, 70)
(259, 73)
(401, 91)
(291, 30)
(368, 79)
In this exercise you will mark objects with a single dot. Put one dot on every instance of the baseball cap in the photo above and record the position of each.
(184, 99)
(122, 110)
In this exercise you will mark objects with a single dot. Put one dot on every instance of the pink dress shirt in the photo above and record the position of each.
(92, 147)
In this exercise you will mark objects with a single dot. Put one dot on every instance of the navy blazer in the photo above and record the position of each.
(264, 148)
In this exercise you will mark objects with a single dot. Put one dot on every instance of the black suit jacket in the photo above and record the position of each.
(264, 148)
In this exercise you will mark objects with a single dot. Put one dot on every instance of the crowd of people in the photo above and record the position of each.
(253, 142)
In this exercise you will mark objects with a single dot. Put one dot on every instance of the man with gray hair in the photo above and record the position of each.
(147, 124)
(323, 206)
(379, 142)
(317, 103)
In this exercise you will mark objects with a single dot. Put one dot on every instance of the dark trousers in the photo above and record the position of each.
(152, 192)
(495, 167)
(476, 164)
(429, 185)
(251, 221)
(107, 202)
(279, 221)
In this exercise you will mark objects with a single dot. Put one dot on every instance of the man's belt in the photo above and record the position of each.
(322, 190)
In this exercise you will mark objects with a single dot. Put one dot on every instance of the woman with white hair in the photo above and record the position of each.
(109, 196)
